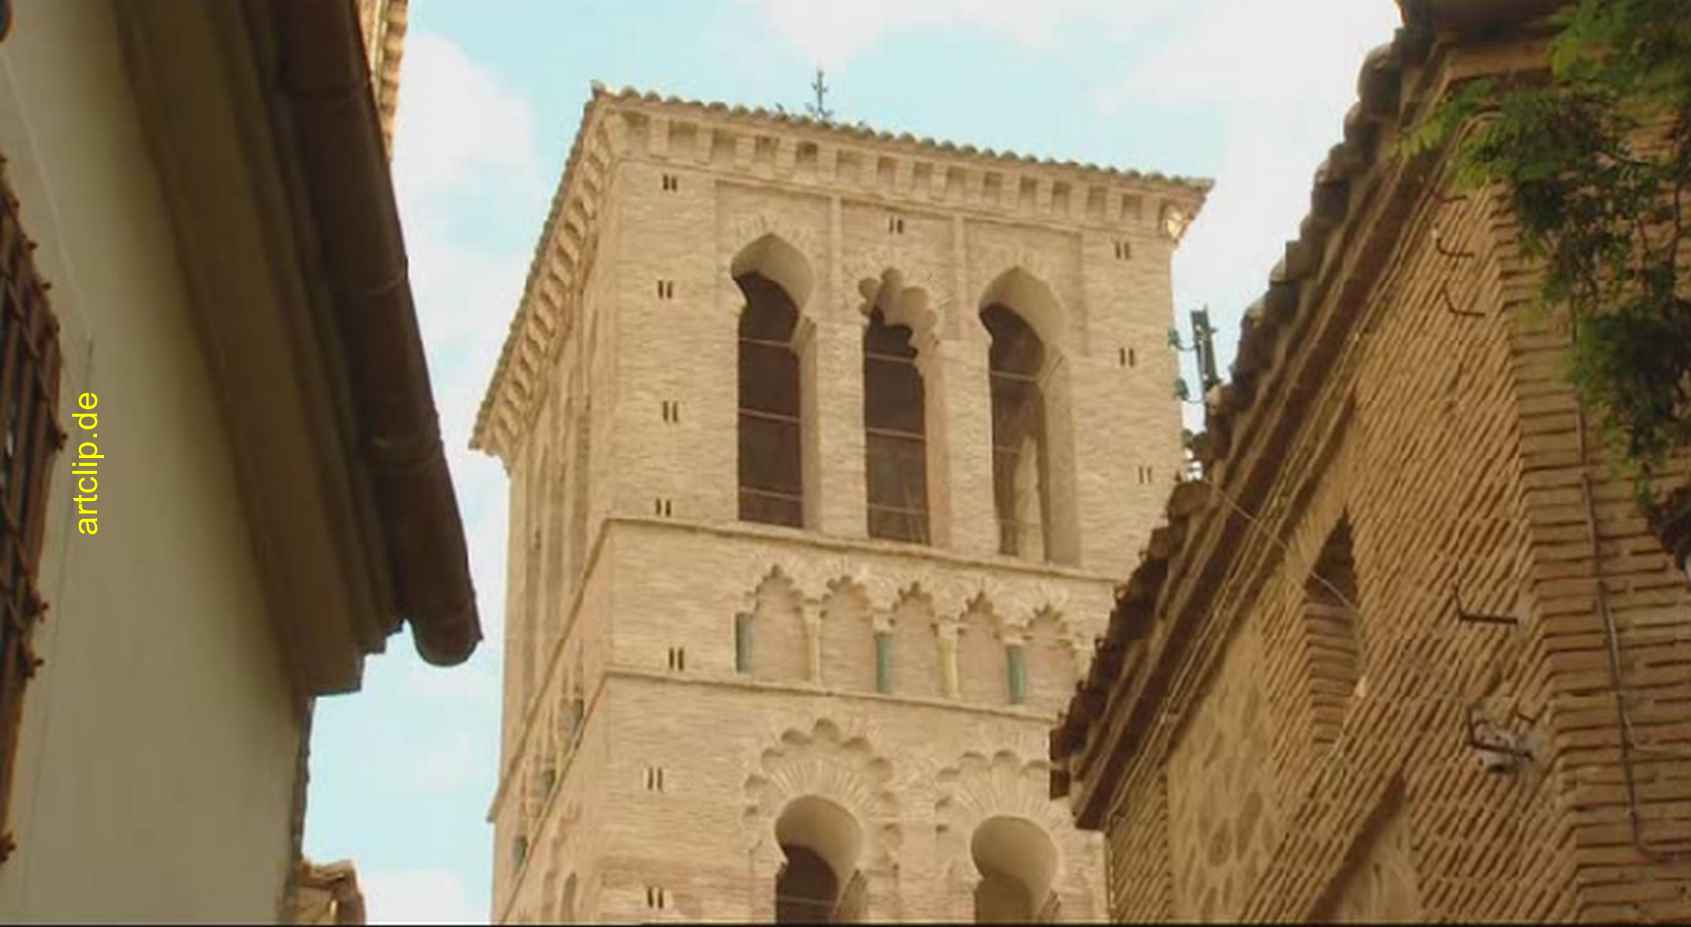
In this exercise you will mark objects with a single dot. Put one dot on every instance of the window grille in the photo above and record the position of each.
(29, 438)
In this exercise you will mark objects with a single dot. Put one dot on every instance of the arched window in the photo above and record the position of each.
(819, 882)
(1020, 457)
(771, 432)
(1017, 862)
(895, 426)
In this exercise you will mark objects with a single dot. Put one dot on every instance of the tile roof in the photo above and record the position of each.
(866, 132)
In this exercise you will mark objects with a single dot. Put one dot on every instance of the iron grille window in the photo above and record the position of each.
(29, 438)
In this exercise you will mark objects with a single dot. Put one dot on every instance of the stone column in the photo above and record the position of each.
(881, 622)
(946, 631)
(1058, 512)
(813, 642)
(1015, 659)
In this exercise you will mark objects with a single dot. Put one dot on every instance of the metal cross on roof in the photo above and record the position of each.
(819, 109)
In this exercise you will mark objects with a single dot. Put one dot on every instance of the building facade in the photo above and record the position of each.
(249, 497)
(825, 447)
(1409, 651)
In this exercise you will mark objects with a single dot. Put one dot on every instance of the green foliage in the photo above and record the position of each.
(1595, 158)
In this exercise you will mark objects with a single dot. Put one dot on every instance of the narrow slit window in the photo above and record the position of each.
(894, 421)
(1332, 637)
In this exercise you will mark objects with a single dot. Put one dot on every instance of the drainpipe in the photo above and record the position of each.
(323, 78)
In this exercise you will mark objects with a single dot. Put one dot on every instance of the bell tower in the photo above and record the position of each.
(827, 448)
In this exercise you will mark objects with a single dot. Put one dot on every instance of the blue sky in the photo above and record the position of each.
(1249, 93)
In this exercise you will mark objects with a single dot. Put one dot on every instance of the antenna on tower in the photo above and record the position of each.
(819, 109)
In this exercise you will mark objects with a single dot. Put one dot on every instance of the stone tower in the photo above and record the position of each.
(827, 448)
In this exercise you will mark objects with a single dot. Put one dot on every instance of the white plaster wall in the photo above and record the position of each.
(157, 757)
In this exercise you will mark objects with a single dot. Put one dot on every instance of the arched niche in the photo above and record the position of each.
(848, 638)
(772, 635)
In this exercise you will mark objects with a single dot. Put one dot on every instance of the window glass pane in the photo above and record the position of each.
(892, 395)
(769, 454)
(898, 525)
(897, 472)
(770, 509)
(769, 378)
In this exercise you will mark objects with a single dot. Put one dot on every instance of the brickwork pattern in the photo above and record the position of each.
(683, 678)
(1141, 884)
(1433, 418)
(1224, 816)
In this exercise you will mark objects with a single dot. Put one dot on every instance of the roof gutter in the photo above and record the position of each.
(322, 73)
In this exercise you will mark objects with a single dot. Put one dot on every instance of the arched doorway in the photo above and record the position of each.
(819, 882)
(1017, 863)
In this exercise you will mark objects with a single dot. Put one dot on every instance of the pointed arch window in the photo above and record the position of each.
(1020, 457)
(895, 439)
(771, 468)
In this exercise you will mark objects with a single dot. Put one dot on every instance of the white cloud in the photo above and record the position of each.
(455, 117)
(1261, 58)
(417, 896)
(1279, 83)
(831, 33)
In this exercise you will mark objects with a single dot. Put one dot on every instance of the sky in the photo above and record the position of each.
(1249, 93)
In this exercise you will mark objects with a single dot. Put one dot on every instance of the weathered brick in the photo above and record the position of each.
(1464, 467)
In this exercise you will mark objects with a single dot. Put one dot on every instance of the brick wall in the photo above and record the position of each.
(1415, 405)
